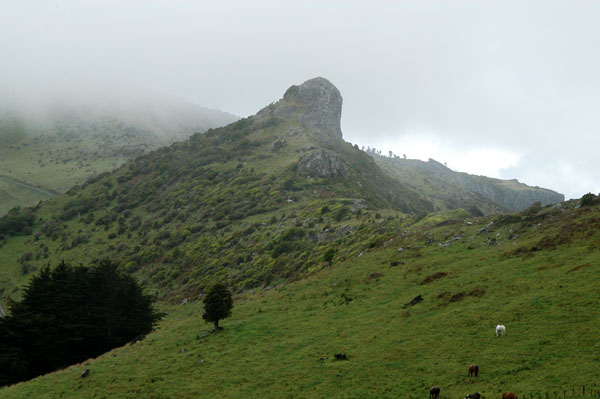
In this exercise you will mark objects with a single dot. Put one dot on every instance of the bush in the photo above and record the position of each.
(341, 213)
(588, 199)
(17, 221)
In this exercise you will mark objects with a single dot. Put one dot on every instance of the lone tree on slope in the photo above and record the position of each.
(217, 305)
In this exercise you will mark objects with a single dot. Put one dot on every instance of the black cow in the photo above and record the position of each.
(434, 392)
(473, 370)
(414, 301)
(475, 395)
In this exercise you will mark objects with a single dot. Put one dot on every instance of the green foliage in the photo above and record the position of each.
(329, 255)
(217, 304)
(533, 209)
(17, 221)
(341, 213)
(588, 199)
(68, 314)
(474, 211)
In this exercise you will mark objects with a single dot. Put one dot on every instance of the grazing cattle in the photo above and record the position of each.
(500, 330)
(414, 301)
(475, 395)
(434, 392)
(340, 356)
(85, 373)
(509, 395)
(473, 370)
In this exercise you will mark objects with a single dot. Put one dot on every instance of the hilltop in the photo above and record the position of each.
(48, 149)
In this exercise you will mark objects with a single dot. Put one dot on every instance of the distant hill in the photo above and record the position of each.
(451, 190)
(48, 149)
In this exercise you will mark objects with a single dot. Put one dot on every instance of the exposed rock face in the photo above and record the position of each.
(316, 103)
(322, 163)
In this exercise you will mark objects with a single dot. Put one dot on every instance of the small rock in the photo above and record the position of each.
(400, 249)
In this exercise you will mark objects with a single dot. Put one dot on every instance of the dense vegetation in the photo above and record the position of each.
(68, 314)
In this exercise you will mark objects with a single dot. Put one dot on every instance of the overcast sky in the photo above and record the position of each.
(507, 89)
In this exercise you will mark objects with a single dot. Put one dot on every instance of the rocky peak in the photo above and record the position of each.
(316, 103)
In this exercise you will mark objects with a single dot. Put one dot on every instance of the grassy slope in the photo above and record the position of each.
(540, 283)
(14, 192)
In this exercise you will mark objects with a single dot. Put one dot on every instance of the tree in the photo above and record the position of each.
(328, 255)
(217, 305)
(69, 314)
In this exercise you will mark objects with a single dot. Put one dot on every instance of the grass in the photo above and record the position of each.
(280, 343)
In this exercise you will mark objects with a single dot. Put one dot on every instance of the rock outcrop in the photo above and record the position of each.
(316, 104)
(322, 163)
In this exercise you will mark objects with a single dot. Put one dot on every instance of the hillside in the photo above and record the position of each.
(249, 203)
(253, 203)
(450, 189)
(47, 150)
(534, 272)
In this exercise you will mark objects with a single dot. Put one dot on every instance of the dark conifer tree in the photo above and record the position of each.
(69, 314)
(217, 304)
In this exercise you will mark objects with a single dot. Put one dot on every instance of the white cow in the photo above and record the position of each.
(500, 330)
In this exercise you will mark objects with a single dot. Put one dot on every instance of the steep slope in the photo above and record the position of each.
(534, 272)
(49, 149)
(219, 206)
(450, 189)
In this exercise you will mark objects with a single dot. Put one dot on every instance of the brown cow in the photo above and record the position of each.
(473, 370)
(509, 395)
(434, 392)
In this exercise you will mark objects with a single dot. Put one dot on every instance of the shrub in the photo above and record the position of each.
(588, 199)
(17, 221)
(341, 213)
